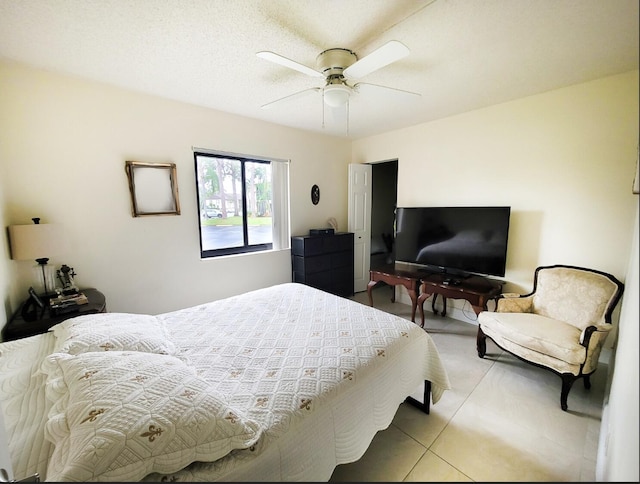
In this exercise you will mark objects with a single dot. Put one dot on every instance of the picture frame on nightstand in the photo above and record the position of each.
(33, 307)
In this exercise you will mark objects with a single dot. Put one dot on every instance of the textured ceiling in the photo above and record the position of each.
(465, 54)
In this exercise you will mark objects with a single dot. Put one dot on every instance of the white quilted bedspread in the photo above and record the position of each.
(319, 374)
(291, 353)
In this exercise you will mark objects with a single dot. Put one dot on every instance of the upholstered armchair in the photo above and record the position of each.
(561, 325)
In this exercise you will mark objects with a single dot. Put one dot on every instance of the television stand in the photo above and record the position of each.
(393, 275)
(475, 289)
(450, 281)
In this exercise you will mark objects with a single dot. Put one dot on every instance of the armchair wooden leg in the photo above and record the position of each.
(481, 343)
(567, 382)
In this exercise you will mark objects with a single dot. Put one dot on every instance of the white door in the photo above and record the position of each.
(360, 222)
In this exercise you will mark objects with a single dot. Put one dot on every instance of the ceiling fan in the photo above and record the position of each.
(337, 66)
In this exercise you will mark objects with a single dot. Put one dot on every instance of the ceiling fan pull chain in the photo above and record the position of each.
(348, 117)
(323, 109)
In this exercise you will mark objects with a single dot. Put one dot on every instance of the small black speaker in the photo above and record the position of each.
(321, 232)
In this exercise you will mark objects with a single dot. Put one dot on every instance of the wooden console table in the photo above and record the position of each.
(475, 289)
(394, 274)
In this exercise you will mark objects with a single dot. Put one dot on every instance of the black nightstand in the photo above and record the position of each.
(17, 327)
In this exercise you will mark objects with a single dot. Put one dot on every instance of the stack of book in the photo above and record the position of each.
(66, 304)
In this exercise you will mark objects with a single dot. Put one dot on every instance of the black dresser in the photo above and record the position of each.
(324, 262)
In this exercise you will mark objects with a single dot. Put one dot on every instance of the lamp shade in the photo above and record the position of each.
(36, 241)
(336, 95)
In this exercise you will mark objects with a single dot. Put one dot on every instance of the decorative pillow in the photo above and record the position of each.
(119, 416)
(112, 332)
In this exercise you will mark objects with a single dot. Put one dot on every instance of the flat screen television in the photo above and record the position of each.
(459, 241)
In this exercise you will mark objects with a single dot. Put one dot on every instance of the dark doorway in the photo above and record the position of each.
(384, 195)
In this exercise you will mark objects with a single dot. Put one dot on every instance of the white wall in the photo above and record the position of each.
(64, 143)
(618, 445)
(563, 160)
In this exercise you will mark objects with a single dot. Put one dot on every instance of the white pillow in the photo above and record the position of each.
(112, 332)
(119, 416)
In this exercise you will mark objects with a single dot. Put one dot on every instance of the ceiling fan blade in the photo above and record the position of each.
(363, 87)
(283, 61)
(290, 97)
(390, 52)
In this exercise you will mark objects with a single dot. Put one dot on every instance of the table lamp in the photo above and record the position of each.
(37, 242)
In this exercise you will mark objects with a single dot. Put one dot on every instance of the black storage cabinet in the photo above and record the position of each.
(324, 262)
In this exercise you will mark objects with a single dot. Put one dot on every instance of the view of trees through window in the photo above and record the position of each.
(235, 204)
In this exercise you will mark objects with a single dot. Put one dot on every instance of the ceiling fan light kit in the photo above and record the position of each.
(332, 63)
(336, 95)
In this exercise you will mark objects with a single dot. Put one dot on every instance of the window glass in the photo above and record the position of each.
(236, 204)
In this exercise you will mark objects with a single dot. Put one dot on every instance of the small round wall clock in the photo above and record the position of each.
(315, 194)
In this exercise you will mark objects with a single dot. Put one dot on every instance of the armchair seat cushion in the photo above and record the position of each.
(536, 333)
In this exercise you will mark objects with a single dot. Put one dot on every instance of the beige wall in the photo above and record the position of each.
(5, 279)
(63, 146)
(563, 160)
(618, 446)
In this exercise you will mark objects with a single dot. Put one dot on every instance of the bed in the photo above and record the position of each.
(278, 384)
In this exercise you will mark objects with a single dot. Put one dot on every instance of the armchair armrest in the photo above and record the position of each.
(592, 338)
(597, 331)
(514, 304)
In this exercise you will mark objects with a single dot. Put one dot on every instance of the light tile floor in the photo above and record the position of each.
(501, 421)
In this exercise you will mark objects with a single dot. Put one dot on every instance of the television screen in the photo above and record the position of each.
(456, 240)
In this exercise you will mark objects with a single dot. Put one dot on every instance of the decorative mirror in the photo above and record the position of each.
(153, 187)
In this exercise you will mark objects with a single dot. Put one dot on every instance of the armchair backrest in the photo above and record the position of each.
(575, 295)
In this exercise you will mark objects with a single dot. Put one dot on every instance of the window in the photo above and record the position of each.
(243, 203)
